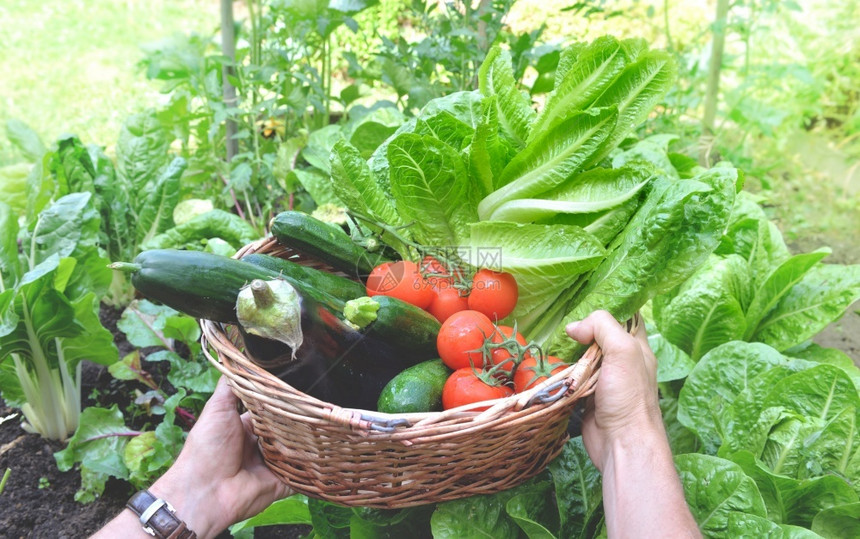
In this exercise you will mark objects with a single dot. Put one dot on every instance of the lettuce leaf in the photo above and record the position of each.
(496, 78)
(431, 190)
(672, 234)
(553, 157)
(544, 259)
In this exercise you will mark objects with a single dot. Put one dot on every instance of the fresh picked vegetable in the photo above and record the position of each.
(325, 241)
(396, 322)
(416, 389)
(401, 280)
(579, 221)
(468, 385)
(203, 285)
(461, 339)
(272, 310)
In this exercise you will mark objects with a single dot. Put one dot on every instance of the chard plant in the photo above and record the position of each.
(49, 303)
(139, 197)
(140, 442)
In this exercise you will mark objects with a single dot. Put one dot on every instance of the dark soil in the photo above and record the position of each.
(38, 500)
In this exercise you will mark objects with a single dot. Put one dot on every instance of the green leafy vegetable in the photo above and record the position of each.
(838, 522)
(714, 489)
(672, 234)
(431, 189)
(544, 259)
(201, 228)
(49, 312)
(496, 78)
(578, 490)
(553, 157)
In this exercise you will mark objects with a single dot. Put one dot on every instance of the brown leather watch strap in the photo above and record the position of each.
(158, 517)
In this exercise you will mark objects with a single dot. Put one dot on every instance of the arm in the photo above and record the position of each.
(624, 435)
(218, 479)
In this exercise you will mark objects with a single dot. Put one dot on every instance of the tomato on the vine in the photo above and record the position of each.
(401, 280)
(493, 293)
(533, 371)
(502, 356)
(461, 339)
(464, 386)
(446, 302)
(437, 274)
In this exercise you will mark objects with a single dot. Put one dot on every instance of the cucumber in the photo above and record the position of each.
(416, 389)
(203, 285)
(326, 242)
(334, 285)
(394, 321)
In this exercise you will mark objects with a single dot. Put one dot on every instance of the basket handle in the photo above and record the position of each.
(589, 360)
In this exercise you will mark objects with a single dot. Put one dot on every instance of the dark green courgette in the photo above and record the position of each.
(395, 321)
(326, 242)
(203, 285)
(334, 285)
(416, 389)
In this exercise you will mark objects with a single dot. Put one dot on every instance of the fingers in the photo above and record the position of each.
(602, 328)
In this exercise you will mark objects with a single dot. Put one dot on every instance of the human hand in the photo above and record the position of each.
(219, 477)
(625, 405)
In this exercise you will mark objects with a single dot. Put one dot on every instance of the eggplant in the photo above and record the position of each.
(305, 344)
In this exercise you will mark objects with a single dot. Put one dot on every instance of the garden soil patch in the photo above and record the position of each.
(39, 500)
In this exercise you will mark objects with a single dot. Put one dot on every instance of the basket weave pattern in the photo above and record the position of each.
(365, 458)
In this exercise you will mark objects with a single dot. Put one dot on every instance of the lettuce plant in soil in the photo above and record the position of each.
(49, 301)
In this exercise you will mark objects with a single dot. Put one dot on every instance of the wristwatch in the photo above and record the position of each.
(158, 517)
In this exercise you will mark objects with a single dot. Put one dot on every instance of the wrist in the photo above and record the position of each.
(638, 439)
(194, 503)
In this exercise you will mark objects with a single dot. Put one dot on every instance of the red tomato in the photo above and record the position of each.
(461, 338)
(494, 294)
(437, 273)
(502, 356)
(532, 371)
(464, 387)
(447, 302)
(400, 280)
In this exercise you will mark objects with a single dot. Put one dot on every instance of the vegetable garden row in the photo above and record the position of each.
(482, 217)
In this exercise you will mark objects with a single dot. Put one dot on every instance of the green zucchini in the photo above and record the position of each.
(326, 242)
(335, 285)
(203, 285)
(394, 321)
(416, 389)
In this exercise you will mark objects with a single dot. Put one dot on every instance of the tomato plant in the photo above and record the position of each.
(493, 293)
(437, 273)
(401, 280)
(502, 355)
(461, 339)
(466, 386)
(533, 371)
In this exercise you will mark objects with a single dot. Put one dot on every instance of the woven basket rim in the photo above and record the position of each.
(367, 458)
(570, 378)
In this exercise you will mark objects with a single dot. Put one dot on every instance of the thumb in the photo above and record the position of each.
(222, 399)
(602, 328)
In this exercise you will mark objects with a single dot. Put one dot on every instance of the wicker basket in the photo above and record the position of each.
(365, 458)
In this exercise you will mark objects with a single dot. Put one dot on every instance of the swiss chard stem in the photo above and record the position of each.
(187, 417)
(6, 475)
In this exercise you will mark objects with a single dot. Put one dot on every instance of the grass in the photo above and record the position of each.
(70, 66)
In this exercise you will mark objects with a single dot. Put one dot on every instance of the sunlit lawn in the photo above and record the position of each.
(71, 65)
